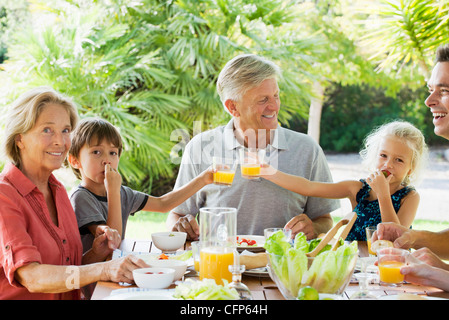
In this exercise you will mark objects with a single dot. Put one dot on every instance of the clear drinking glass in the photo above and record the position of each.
(224, 171)
(196, 255)
(250, 163)
(364, 279)
(269, 231)
(390, 262)
(369, 234)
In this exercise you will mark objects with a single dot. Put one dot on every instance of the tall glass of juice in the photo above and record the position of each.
(369, 234)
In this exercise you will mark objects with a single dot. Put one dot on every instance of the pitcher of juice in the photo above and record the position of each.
(218, 228)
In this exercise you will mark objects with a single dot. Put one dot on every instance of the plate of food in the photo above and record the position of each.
(250, 243)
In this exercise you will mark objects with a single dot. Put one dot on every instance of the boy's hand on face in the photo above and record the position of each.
(113, 179)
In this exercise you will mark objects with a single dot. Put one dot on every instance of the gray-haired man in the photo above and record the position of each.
(248, 89)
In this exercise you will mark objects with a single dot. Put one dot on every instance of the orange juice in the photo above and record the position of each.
(390, 271)
(250, 170)
(196, 265)
(214, 264)
(368, 242)
(224, 177)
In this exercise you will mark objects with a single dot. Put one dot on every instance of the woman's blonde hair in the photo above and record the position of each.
(412, 136)
(242, 73)
(23, 113)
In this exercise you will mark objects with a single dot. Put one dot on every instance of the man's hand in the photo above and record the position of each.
(302, 223)
(189, 225)
(401, 236)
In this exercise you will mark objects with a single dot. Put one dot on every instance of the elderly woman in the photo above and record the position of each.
(40, 247)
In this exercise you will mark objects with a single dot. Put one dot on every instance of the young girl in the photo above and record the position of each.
(396, 154)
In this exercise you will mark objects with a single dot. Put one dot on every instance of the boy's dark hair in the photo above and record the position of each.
(443, 54)
(97, 129)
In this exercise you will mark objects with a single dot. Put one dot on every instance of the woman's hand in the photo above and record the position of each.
(121, 270)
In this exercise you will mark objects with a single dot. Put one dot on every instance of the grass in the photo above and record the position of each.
(143, 224)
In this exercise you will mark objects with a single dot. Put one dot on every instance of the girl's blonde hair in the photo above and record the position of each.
(412, 136)
(23, 113)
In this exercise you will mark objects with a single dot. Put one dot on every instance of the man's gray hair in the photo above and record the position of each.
(242, 73)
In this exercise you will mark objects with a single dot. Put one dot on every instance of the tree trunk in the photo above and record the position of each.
(316, 106)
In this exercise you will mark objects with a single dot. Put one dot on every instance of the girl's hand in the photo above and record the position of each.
(378, 182)
(113, 179)
(267, 170)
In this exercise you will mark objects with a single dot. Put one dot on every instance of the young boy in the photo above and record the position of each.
(100, 198)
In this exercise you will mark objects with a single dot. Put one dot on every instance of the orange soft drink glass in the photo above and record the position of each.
(250, 163)
(390, 261)
(369, 235)
(224, 171)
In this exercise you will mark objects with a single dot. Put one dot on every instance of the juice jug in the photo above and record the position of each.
(218, 240)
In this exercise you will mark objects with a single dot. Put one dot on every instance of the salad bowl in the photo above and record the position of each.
(328, 273)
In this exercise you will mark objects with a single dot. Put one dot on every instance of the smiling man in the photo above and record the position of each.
(438, 99)
(431, 246)
(249, 91)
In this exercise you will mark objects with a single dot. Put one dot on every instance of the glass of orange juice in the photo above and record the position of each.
(196, 255)
(224, 171)
(250, 163)
(390, 261)
(369, 234)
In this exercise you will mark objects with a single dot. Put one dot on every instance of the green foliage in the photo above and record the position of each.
(13, 13)
(351, 112)
(403, 34)
(150, 67)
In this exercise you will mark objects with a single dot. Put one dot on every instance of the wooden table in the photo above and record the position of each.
(262, 287)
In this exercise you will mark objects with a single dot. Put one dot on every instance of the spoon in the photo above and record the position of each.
(352, 217)
(347, 220)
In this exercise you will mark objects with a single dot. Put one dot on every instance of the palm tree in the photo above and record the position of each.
(403, 34)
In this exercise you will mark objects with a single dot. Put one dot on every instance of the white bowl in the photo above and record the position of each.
(153, 278)
(169, 241)
(179, 266)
